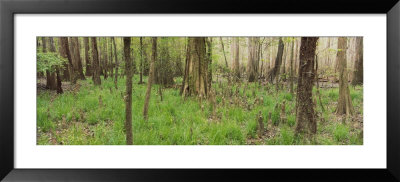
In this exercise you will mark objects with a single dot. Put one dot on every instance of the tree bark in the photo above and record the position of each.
(358, 65)
(253, 60)
(95, 66)
(66, 53)
(305, 115)
(274, 73)
(128, 97)
(151, 75)
(50, 75)
(77, 63)
(223, 51)
(196, 81)
(344, 103)
(57, 70)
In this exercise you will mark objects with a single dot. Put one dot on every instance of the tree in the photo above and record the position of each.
(151, 75)
(50, 75)
(305, 115)
(358, 66)
(76, 57)
(128, 97)
(344, 103)
(87, 57)
(196, 81)
(236, 66)
(253, 60)
(57, 69)
(274, 73)
(116, 64)
(141, 61)
(66, 53)
(95, 66)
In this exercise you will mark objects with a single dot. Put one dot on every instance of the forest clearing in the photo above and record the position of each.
(199, 91)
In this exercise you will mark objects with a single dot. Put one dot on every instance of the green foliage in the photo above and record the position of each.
(49, 61)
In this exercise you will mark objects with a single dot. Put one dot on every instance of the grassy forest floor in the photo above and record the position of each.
(90, 115)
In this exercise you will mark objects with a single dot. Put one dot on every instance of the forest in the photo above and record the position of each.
(199, 90)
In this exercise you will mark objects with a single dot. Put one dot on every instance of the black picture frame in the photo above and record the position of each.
(9, 8)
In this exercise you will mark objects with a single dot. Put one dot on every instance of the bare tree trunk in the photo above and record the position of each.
(358, 65)
(274, 73)
(223, 51)
(67, 54)
(116, 63)
(128, 97)
(95, 66)
(305, 114)
(151, 75)
(344, 103)
(56, 75)
(50, 76)
(197, 68)
(252, 65)
(77, 57)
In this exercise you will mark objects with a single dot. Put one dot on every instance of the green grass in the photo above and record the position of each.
(80, 119)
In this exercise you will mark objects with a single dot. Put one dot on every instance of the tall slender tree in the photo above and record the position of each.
(305, 114)
(274, 73)
(344, 103)
(95, 67)
(141, 61)
(77, 62)
(128, 96)
(151, 75)
(50, 76)
(57, 69)
(66, 53)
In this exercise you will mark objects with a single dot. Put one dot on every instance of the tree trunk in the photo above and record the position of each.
(57, 72)
(305, 115)
(66, 53)
(196, 81)
(223, 51)
(274, 73)
(344, 103)
(50, 76)
(128, 97)
(77, 63)
(95, 66)
(236, 66)
(358, 65)
(252, 65)
(151, 75)
(87, 57)
(105, 59)
(116, 63)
